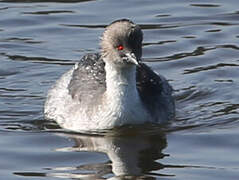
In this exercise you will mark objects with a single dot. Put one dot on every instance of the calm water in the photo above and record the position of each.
(193, 43)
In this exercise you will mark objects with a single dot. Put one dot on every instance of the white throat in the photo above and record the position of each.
(122, 100)
(121, 82)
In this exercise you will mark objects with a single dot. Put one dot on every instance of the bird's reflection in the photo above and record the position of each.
(132, 155)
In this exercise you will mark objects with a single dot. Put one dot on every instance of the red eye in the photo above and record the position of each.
(120, 47)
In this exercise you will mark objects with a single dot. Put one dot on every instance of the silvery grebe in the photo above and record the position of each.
(112, 88)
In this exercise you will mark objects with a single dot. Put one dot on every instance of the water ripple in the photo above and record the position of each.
(193, 44)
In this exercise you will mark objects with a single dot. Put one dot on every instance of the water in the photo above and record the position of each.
(194, 44)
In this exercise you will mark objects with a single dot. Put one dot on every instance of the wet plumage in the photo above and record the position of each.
(111, 88)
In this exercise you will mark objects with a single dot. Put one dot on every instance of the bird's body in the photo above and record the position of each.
(111, 89)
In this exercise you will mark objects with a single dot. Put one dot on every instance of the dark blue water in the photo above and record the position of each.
(195, 44)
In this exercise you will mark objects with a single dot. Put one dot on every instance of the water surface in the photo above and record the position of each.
(194, 44)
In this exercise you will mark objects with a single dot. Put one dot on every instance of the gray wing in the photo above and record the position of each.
(155, 92)
(88, 79)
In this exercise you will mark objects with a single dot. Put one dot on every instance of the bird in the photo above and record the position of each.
(111, 88)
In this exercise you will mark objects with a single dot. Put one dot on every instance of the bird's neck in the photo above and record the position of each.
(121, 83)
(121, 101)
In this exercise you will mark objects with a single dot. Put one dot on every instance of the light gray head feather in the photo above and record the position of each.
(121, 33)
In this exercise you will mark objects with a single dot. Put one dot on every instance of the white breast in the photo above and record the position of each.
(121, 104)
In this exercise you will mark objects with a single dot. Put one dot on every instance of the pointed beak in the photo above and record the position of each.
(131, 58)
